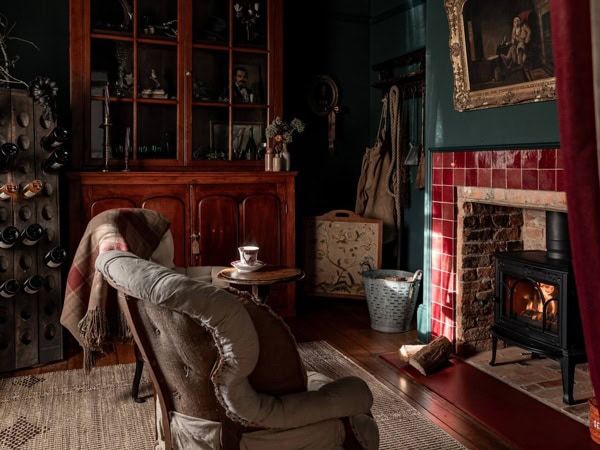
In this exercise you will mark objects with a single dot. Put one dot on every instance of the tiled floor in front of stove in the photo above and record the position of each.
(540, 378)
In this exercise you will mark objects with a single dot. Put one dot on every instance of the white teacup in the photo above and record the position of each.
(248, 254)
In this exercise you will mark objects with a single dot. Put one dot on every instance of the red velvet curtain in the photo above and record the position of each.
(572, 44)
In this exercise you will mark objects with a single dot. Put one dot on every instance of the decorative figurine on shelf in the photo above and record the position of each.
(247, 13)
(156, 91)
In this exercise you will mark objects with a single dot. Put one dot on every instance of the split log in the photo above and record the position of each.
(406, 351)
(432, 355)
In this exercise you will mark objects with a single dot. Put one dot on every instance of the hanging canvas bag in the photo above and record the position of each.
(373, 199)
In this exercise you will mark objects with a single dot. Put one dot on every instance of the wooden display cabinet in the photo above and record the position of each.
(170, 67)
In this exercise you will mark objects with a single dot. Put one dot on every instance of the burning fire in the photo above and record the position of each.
(535, 306)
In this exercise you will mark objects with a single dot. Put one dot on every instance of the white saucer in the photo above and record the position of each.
(244, 268)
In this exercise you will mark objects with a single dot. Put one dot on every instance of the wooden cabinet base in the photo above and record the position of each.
(211, 214)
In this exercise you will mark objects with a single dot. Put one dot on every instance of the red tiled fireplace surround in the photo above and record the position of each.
(528, 179)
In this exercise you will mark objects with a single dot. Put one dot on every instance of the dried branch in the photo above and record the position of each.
(6, 62)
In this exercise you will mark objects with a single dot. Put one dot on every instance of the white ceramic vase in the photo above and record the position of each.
(276, 163)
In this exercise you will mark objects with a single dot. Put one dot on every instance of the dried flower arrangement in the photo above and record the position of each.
(282, 132)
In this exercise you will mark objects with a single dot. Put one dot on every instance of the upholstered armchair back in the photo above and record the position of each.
(182, 366)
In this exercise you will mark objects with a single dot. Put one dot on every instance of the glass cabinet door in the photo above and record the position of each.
(176, 82)
(134, 61)
(229, 67)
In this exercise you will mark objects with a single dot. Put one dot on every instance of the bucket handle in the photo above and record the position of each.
(418, 275)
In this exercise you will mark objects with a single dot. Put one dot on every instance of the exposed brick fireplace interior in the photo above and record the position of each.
(485, 229)
(484, 202)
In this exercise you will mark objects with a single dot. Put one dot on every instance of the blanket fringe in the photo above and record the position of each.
(93, 328)
(96, 337)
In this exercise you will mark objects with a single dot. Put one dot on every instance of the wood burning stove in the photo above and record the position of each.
(536, 304)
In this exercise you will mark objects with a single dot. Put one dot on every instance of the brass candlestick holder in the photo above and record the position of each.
(107, 144)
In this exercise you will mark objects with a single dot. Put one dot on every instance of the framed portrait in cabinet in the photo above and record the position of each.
(247, 83)
(501, 52)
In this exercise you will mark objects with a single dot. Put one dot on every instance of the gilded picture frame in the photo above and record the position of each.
(501, 52)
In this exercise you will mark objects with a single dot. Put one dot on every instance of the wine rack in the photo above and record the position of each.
(30, 330)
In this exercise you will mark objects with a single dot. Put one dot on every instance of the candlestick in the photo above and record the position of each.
(106, 144)
(106, 102)
(126, 148)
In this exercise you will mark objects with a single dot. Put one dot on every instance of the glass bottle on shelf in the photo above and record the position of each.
(57, 137)
(57, 159)
(9, 288)
(32, 189)
(8, 191)
(251, 147)
(32, 234)
(8, 154)
(9, 236)
(55, 257)
(33, 284)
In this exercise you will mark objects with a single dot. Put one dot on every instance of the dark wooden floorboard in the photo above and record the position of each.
(345, 324)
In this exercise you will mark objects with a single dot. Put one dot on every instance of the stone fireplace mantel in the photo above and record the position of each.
(517, 198)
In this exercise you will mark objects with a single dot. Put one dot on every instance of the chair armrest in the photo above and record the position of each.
(344, 397)
(207, 274)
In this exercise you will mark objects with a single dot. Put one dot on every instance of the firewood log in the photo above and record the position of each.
(431, 356)
(406, 351)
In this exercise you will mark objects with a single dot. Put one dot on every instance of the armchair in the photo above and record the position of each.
(226, 369)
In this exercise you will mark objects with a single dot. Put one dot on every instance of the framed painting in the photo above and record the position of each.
(501, 52)
(241, 133)
(323, 96)
(337, 245)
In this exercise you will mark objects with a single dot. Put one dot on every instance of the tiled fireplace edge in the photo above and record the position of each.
(502, 177)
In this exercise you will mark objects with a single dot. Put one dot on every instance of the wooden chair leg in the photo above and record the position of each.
(139, 367)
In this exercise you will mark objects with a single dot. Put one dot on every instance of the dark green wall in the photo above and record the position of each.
(344, 39)
(327, 37)
(531, 124)
(45, 23)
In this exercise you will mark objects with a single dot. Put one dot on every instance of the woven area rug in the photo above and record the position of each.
(72, 410)
(69, 410)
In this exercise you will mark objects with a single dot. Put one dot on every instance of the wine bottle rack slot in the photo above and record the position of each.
(31, 255)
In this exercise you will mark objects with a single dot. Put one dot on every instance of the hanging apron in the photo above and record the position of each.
(373, 197)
